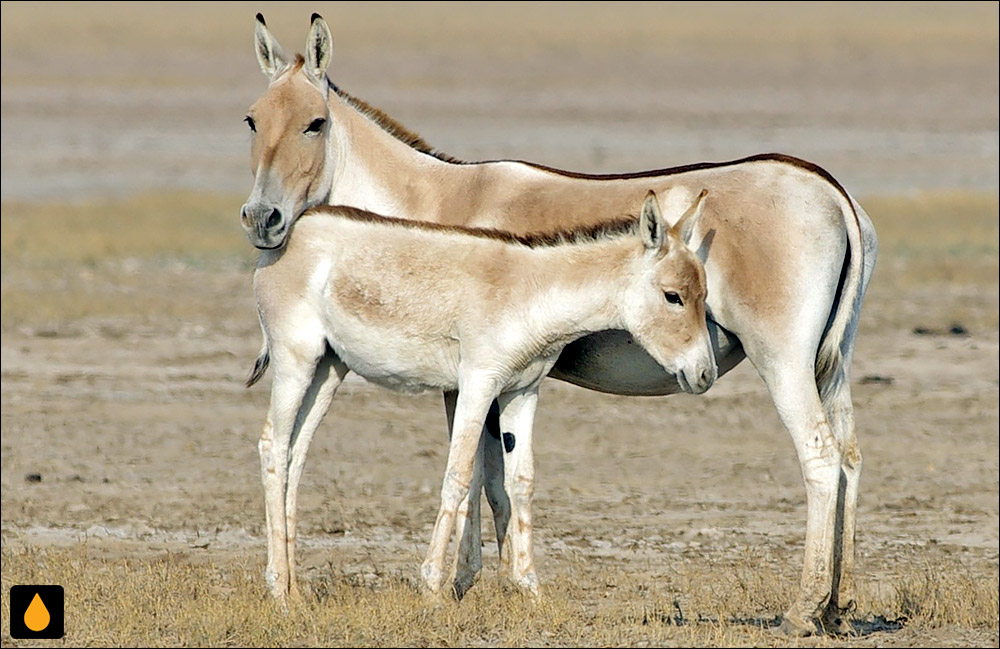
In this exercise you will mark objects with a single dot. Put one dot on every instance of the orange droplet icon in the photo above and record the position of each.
(36, 617)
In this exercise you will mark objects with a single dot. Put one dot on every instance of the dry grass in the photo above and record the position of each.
(941, 598)
(172, 601)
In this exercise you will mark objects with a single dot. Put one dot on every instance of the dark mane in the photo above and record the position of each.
(622, 226)
(392, 127)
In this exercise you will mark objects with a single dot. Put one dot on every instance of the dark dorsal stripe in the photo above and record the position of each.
(414, 141)
(624, 226)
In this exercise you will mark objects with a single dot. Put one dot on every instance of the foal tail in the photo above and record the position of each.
(259, 366)
(846, 305)
(263, 357)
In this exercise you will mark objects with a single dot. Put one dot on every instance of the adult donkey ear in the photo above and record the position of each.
(269, 54)
(319, 48)
(651, 224)
(685, 225)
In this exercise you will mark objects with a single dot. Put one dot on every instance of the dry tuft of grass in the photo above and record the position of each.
(173, 601)
(939, 599)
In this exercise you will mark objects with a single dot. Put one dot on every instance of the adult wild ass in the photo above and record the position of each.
(350, 292)
(787, 251)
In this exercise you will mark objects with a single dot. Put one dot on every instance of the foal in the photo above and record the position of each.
(415, 306)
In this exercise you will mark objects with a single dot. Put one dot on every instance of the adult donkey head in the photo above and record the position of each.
(292, 153)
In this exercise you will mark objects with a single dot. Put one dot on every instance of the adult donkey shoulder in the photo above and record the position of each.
(492, 331)
(787, 251)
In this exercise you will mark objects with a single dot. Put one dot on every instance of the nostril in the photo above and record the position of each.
(244, 219)
(273, 219)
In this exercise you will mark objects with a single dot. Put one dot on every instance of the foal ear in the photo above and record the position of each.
(651, 224)
(269, 54)
(319, 47)
(685, 226)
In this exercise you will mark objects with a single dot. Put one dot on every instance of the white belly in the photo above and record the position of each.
(398, 363)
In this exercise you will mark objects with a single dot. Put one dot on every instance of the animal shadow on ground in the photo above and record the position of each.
(859, 628)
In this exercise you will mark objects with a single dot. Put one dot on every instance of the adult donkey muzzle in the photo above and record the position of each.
(265, 225)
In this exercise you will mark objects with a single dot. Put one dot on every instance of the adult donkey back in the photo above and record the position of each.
(788, 255)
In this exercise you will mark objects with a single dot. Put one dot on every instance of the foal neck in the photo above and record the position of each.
(579, 288)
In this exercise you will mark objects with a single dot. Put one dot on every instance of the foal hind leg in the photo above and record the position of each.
(488, 472)
(517, 414)
(474, 398)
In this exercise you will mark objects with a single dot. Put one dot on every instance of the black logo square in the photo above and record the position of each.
(36, 612)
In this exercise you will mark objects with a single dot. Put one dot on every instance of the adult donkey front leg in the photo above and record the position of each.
(301, 393)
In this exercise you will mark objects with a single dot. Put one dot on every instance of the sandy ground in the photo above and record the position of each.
(141, 432)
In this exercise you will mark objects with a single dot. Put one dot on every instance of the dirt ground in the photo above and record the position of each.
(126, 427)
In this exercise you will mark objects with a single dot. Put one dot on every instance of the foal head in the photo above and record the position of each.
(290, 145)
(665, 303)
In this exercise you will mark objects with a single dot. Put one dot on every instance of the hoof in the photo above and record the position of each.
(835, 620)
(528, 590)
(796, 629)
(462, 586)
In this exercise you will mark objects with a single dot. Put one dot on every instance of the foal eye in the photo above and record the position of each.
(252, 124)
(315, 126)
(673, 298)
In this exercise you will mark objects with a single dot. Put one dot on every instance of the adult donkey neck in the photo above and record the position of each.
(382, 166)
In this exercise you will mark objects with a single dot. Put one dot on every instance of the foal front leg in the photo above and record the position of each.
(287, 415)
(488, 473)
(473, 401)
(469, 556)
(329, 374)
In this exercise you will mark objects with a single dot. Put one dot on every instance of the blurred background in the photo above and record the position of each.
(105, 99)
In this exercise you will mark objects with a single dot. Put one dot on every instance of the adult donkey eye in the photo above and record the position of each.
(315, 126)
(673, 298)
(252, 124)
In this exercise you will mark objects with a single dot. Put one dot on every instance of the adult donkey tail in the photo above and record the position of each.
(846, 306)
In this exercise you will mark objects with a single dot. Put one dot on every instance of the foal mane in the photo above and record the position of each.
(623, 226)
